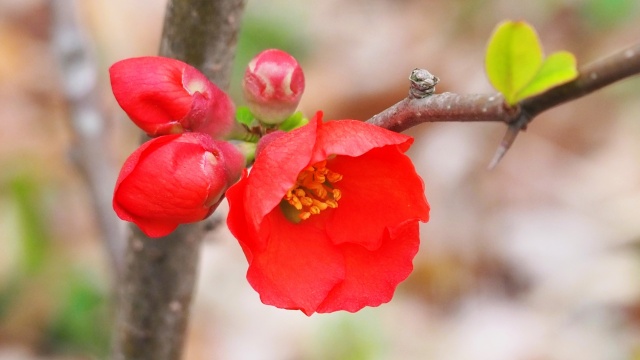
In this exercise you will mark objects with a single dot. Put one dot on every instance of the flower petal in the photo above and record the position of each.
(372, 276)
(171, 180)
(380, 190)
(243, 231)
(354, 138)
(299, 266)
(276, 169)
(150, 90)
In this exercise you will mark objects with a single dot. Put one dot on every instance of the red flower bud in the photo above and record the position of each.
(273, 84)
(167, 96)
(175, 179)
(328, 216)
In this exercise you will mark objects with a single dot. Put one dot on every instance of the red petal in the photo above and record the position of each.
(276, 169)
(237, 219)
(372, 276)
(212, 110)
(170, 181)
(354, 138)
(299, 266)
(150, 90)
(130, 165)
(379, 189)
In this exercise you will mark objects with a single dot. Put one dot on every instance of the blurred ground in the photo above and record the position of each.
(538, 259)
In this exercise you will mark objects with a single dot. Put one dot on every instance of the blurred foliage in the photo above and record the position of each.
(351, 337)
(54, 308)
(81, 324)
(33, 241)
(609, 13)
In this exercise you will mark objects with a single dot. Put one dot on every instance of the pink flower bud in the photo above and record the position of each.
(175, 179)
(167, 96)
(273, 84)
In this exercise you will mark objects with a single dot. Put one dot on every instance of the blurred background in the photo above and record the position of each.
(538, 259)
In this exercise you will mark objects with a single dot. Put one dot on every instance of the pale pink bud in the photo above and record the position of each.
(273, 84)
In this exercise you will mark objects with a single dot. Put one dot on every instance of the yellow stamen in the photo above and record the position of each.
(314, 190)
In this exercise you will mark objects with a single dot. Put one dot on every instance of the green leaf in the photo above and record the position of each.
(513, 58)
(557, 69)
(244, 115)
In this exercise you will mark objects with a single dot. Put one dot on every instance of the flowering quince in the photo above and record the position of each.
(328, 216)
(175, 179)
(167, 96)
(273, 84)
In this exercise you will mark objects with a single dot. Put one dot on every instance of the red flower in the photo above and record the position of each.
(167, 96)
(328, 216)
(175, 179)
(273, 84)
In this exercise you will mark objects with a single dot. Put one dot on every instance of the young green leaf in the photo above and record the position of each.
(515, 66)
(513, 58)
(557, 69)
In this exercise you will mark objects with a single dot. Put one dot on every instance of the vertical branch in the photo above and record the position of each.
(203, 33)
(159, 274)
(80, 79)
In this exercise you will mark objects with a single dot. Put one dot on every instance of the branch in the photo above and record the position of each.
(160, 274)
(204, 34)
(592, 77)
(442, 107)
(413, 111)
(79, 76)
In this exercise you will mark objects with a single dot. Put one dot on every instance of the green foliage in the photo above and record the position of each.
(352, 337)
(33, 240)
(71, 310)
(603, 14)
(81, 324)
(516, 66)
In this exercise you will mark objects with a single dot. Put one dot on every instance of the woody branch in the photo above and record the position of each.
(413, 110)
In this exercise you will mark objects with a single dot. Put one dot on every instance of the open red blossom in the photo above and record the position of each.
(175, 179)
(328, 216)
(167, 96)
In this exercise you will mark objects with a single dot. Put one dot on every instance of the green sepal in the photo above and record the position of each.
(244, 116)
(293, 122)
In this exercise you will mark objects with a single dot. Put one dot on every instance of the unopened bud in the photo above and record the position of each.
(273, 85)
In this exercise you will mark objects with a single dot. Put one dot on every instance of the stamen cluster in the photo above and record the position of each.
(314, 190)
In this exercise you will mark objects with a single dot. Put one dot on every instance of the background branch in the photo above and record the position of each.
(79, 76)
(160, 274)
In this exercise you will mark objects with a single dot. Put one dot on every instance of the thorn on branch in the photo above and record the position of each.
(509, 137)
(423, 84)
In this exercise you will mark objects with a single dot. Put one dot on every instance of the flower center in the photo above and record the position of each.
(314, 190)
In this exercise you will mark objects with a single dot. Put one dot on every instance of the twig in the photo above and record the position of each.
(442, 107)
(160, 274)
(413, 111)
(79, 79)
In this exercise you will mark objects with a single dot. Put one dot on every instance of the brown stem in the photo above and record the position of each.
(159, 274)
(442, 107)
(452, 107)
(413, 111)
